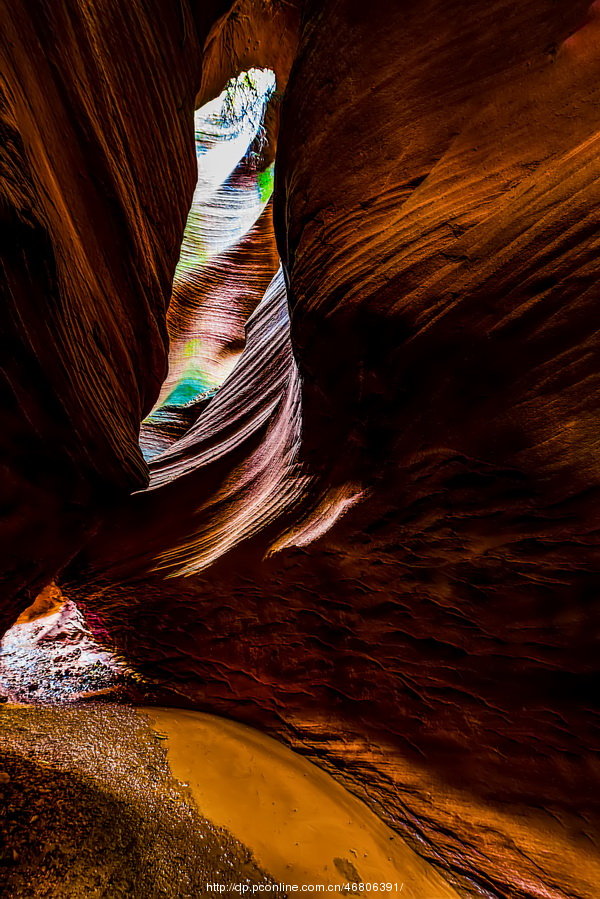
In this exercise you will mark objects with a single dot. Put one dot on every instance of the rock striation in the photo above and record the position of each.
(378, 539)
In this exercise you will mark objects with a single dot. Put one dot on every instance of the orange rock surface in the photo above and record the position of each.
(378, 540)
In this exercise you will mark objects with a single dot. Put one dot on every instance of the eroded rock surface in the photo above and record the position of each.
(379, 538)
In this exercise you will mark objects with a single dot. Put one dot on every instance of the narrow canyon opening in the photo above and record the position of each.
(228, 254)
(298, 448)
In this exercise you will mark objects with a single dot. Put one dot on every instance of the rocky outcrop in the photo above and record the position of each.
(378, 539)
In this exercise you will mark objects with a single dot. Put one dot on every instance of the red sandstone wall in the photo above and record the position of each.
(381, 541)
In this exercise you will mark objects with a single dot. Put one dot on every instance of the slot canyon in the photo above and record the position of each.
(300, 448)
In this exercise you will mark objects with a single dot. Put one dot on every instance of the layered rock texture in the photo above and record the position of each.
(378, 537)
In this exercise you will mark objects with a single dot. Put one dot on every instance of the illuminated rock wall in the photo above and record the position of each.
(378, 539)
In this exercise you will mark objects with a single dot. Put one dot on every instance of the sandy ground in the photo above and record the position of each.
(89, 808)
(102, 799)
(88, 804)
(299, 823)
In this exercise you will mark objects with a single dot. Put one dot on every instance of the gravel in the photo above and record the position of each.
(88, 808)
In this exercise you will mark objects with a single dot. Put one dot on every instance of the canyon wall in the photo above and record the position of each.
(378, 540)
(97, 101)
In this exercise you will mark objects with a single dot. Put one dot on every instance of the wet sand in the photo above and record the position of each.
(300, 824)
(105, 800)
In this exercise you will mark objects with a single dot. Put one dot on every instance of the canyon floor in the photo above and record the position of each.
(90, 808)
(106, 799)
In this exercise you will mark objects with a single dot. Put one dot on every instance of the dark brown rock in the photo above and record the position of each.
(379, 539)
